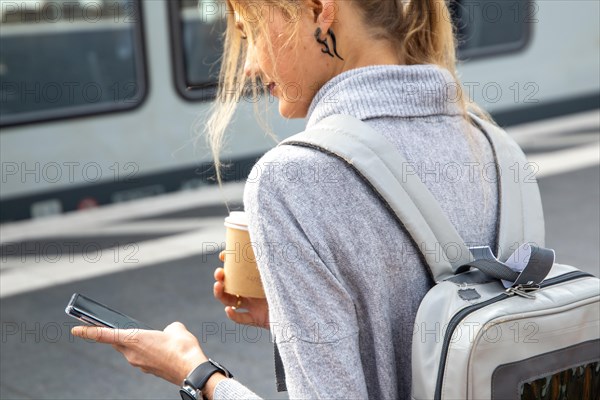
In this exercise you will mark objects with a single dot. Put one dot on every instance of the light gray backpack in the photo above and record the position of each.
(517, 326)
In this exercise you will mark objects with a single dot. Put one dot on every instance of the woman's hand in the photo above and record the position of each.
(170, 354)
(258, 309)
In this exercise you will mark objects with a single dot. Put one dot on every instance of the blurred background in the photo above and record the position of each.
(108, 188)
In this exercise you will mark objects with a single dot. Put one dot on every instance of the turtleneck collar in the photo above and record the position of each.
(387, 91)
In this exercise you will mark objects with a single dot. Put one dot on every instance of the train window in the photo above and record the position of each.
(64, 59)
(491, 27)
(197, 28)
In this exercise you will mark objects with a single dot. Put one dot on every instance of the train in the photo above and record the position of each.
(104, 101)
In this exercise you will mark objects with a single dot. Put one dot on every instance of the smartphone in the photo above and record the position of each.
(97, 314)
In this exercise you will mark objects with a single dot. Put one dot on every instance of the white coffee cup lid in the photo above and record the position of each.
(237, 220)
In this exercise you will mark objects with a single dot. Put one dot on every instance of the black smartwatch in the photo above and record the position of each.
(196, 380)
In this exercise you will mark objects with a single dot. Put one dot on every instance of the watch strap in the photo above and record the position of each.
(201, 374)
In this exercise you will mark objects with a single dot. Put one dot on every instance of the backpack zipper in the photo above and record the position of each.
(459, 316)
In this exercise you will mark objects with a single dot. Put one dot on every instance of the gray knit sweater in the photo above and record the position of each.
(342, 278)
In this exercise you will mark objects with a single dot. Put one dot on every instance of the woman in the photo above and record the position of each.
(336, 267)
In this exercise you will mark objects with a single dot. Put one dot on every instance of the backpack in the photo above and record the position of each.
(506, 325)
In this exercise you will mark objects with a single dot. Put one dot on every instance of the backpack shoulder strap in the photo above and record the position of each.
(388, 173)
(521, 218)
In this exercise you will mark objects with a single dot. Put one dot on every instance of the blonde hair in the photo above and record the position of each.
(421, 30)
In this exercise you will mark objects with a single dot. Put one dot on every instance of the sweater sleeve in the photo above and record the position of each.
(312, 315)
(229, 389)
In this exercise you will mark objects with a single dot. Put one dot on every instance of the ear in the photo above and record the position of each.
(323, 12)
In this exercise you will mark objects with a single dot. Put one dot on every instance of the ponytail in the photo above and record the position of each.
(422, 32)
(427, 35)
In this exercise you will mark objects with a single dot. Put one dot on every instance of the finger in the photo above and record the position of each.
(222, 256)
(103, 335)
(239, 317)
(218, 290)
(225, 298)
(219, 274)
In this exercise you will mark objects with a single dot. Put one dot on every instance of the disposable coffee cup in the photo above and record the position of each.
(241, 273)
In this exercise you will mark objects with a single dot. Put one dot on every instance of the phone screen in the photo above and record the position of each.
(92, 312)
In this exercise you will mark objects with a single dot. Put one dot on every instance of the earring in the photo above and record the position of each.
(325, 44)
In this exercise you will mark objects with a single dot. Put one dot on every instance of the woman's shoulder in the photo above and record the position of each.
(291, 170)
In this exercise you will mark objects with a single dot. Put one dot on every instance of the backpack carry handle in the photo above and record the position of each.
(529, 265)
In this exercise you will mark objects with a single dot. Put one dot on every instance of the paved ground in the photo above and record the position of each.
(40, 360)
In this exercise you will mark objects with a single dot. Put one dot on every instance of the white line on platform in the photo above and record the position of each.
(524, 133)
(176, 225)
(563, 161)
(36, 272)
